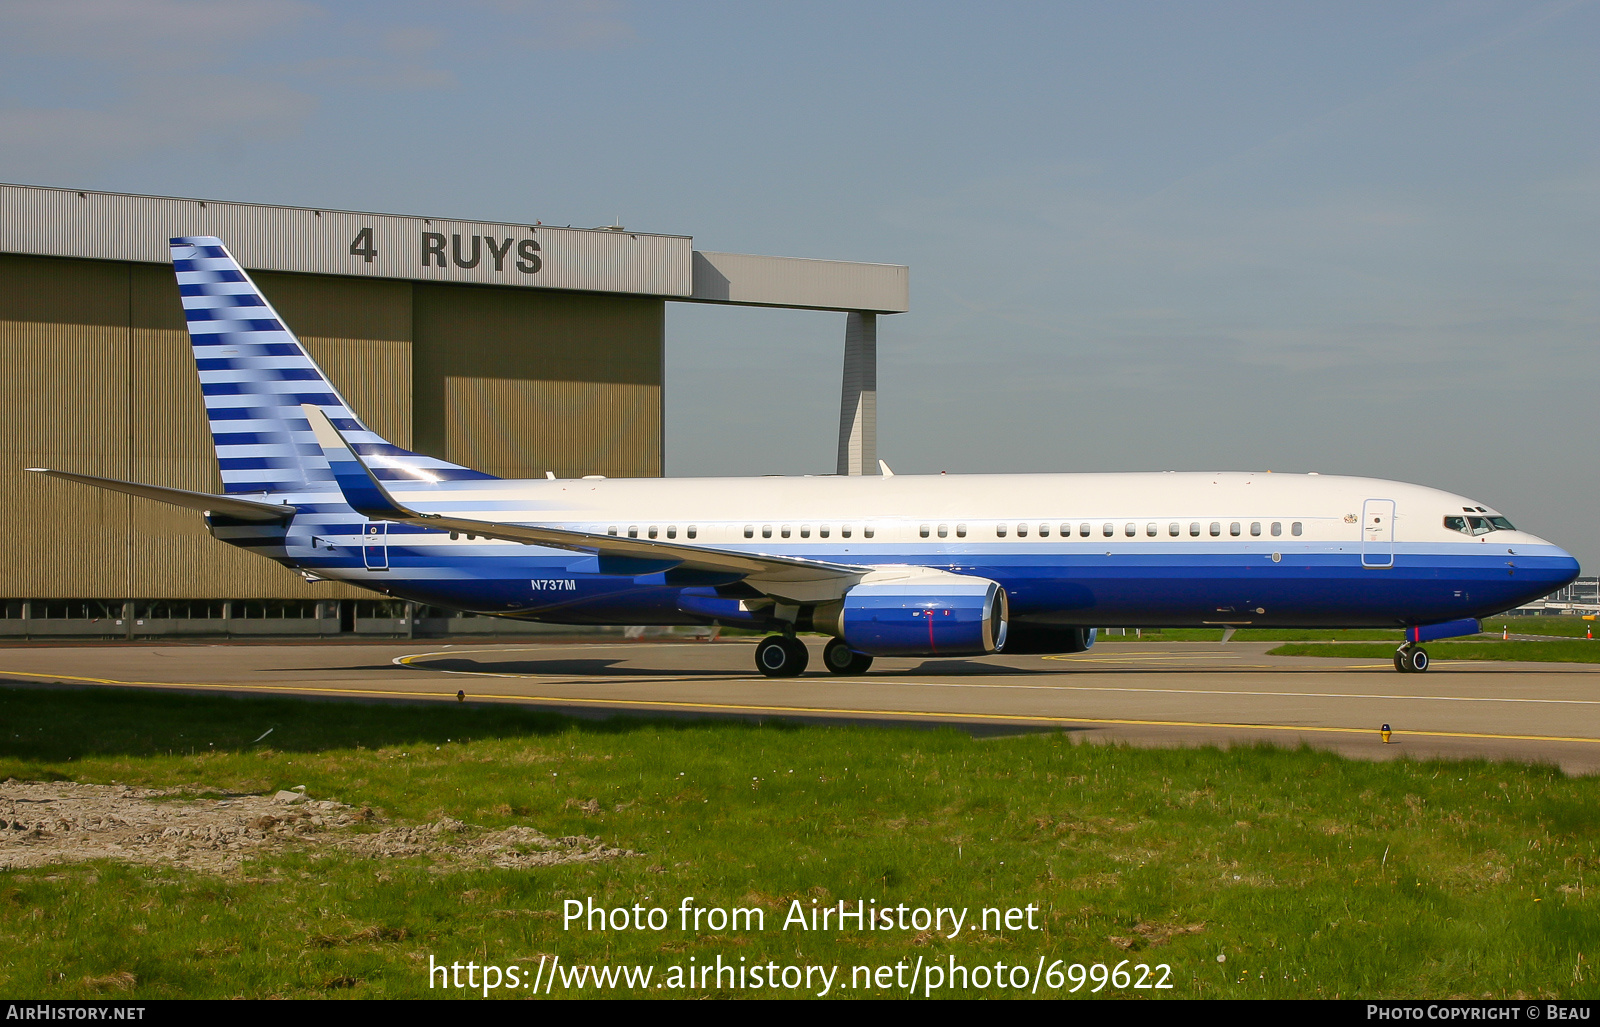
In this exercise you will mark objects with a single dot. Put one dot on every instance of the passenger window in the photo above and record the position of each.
(1233, 528)
(633, 531)
(1294, 529)
(944, 531)
(1255, 527)
(1150, 529)
(1194, 529)
(844, 531)
(1130, 529)
(672, 531)
(1109, 530)
(749, 531)
(1277, 528)
(611, 530)
(784, 531)
(923, 531)
(822, 531)
(652, 531)
(1172, 529)
(961, 531)
(1216, 528)
(1044, 531)
(805, 531)
(1084, 529)
(999, 531)
(867, 531)
(766, 531)
(1022, 531)
(693, 531)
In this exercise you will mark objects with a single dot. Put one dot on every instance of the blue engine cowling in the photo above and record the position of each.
(947, 615)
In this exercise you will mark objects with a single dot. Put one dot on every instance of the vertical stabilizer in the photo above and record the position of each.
(255, 375)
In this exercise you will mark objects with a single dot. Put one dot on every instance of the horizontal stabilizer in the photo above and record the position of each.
(783, 576)
(205, 502)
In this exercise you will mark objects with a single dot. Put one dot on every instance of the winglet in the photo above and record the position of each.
(361, 490)
(883, 469)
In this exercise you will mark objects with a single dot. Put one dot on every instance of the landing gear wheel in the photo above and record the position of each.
(779, 656)
(840, 659)
(1407, 659)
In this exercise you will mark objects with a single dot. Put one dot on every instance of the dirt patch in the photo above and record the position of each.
(1154, 934)
(43, 823)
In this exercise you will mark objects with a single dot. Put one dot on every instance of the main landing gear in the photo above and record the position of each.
(784, 656)
(781, 656)
(841, 659)
(1410, 658)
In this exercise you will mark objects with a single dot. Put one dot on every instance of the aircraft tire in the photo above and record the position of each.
(780, 657)
(1400, 661)
(841, 659)
(1419, 660)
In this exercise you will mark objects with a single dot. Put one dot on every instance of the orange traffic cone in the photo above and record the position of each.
(1589, 633)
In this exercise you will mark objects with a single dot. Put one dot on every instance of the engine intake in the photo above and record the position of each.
(920, 613)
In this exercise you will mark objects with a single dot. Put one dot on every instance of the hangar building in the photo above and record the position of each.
(513, 348)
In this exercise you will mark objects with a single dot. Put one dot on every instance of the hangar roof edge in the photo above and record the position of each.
(99, 225)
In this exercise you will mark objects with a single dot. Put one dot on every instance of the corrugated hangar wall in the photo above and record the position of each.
(100, 379)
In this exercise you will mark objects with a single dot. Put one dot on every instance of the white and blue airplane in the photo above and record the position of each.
(890, 565)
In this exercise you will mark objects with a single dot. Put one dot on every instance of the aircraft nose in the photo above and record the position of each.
(1561, 566)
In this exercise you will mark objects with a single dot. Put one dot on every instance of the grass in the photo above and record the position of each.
(1568, 627)
(1251, 634)
(1577, 650)
(1312, 875)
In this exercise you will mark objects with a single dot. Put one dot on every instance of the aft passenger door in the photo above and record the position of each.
(1377, 533)
(375, 546)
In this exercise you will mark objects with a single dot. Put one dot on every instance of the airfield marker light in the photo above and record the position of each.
(461, 695)
(1505, 633)
(1386, 734)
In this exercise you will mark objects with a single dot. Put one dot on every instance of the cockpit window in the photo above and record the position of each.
(1469, 525)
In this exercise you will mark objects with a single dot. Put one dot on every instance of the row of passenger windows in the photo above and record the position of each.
(784, 531)
(1130, 529)
(1108, 529)
(693, 531)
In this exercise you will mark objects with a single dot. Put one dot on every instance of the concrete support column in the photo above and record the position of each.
(858, 401)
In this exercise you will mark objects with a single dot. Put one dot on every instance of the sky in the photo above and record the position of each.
(1348, 237)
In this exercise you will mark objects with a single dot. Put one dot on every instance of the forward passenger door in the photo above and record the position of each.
(1377, 534)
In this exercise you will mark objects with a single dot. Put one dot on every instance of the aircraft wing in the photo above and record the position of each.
(784, 577)
(205, 502)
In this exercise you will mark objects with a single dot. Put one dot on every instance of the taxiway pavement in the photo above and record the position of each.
(1144, 693)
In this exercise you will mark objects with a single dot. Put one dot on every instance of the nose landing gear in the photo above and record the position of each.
(1410, 658)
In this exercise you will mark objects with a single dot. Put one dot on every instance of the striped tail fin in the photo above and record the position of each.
(255, 375)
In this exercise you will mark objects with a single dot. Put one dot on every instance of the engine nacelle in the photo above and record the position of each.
(1033, 639)
(919, 613)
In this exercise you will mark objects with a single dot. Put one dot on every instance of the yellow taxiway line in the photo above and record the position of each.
(743, 708)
